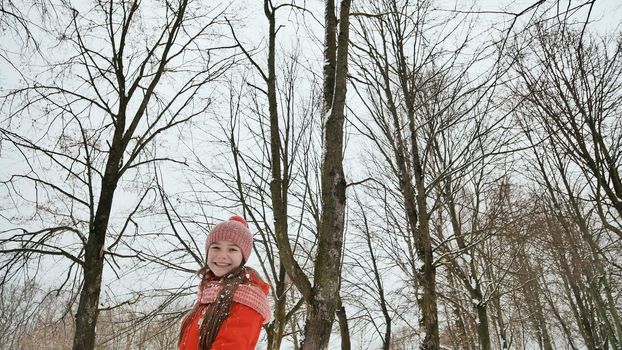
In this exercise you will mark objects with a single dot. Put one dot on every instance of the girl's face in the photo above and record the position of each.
(223, 257)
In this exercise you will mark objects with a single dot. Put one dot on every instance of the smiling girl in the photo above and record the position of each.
(232, 303)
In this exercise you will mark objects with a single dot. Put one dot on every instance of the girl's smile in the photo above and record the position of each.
(223, 257)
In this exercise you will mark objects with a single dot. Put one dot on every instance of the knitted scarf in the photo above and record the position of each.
(215, 298)
(246, 294)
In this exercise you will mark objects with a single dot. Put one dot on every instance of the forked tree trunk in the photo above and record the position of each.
(321, 297)
(324, 298)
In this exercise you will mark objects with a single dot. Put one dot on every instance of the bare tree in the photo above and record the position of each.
(571, 85)
(94, 119)
(430, 121)
(323, 299)
(569, 88)
(367, 265)
(321, 295)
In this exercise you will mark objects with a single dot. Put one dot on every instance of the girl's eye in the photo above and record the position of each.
(215, 248)
(233, 250)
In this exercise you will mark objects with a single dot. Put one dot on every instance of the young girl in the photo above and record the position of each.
(232, 303)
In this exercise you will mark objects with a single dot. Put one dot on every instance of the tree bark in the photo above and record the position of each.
(88, 310)
(344, 328)
(327, 274)
(86, 316)
(277, 327)
(482, 326)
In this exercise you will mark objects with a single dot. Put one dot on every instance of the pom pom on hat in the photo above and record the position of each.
(234, 230)
(239, 219)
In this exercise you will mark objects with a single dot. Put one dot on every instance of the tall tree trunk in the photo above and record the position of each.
(322, 298)
(279, 186)
(86, 315)
(504, 343)
(420, 224)
(344, 328)
(475, 291)
(327, 274)
(88, 311)
(482, 327)
(277, 327)
(423, 244)
(418, 219)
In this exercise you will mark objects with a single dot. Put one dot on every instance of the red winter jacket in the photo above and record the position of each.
(239, 331)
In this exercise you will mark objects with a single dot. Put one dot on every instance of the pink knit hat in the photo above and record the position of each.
(234, 230)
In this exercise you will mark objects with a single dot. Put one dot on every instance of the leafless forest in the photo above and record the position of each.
(417, 174)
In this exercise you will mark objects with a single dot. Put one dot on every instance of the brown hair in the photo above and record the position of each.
(218, 311)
